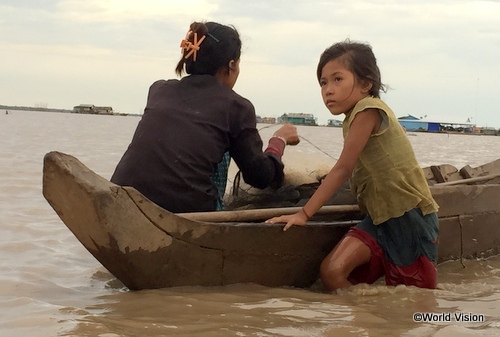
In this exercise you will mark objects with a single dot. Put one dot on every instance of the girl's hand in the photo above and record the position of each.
(298, 219)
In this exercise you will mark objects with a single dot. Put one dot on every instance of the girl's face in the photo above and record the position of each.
(339, 88)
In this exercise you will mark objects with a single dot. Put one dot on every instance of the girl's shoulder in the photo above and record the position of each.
(370, 102)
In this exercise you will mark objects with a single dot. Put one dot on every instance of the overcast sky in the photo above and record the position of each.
(440, 58)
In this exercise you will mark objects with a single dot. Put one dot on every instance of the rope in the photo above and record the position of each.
(301, 137)
(318, 148)
(237, 179)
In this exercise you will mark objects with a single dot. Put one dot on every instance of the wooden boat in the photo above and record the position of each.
(145, 246)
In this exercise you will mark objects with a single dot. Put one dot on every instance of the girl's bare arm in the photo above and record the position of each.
(362, 127)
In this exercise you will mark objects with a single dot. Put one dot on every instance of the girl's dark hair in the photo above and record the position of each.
(357, 58)
(221, 45)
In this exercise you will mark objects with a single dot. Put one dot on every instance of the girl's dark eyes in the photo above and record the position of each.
(335, 79)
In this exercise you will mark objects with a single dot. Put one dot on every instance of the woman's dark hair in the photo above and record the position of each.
(221, 45)
(359, 59)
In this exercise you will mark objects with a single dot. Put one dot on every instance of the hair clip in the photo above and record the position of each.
(192, 47)
(213, 37)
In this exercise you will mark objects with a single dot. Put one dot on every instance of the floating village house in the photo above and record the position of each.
(298, 119)
(266, 120)
(334, 122)
(412, 123)
(93, 109)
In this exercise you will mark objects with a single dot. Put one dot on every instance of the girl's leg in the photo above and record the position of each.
(422, 273)
(411, 243)
(348, 254)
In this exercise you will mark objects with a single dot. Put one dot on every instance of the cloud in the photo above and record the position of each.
(439, 57)
(133, 11)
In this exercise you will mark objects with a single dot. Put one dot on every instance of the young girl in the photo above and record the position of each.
(398, 237)
(178, 155)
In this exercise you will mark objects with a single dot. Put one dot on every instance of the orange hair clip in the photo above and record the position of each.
(193, 48)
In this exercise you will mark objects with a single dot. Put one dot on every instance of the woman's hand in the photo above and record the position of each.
(289, 133)
(298, 219)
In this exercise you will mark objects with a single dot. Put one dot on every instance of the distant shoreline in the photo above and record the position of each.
(493, 132)
(30, 108)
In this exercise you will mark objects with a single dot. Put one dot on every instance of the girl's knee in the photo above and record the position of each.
(334, 275)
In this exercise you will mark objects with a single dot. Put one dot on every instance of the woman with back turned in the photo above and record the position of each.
(180, 149)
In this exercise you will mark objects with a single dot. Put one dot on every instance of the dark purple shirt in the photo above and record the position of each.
(186, 128)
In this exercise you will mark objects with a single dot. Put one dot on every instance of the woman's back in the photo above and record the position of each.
(186, 128)
(189, 124)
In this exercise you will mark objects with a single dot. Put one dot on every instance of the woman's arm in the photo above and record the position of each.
(262, 169)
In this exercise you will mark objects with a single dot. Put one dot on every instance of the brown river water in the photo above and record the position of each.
(51, 286)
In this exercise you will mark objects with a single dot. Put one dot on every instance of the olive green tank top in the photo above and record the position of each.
(387, 179)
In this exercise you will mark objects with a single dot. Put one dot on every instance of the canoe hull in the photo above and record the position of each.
(145, 246)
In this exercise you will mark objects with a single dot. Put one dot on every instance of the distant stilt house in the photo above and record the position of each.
(489, 131)
(412, 123)
(104, 110)
(84, 109)
(268, 120)
(299, 119)
(92, 109)
(334, 122)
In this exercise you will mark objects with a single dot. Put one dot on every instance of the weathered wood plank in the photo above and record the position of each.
(145, 246)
